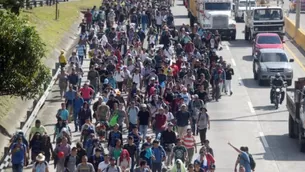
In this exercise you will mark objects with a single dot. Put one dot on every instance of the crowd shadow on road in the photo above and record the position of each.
(239, 43)
(248, 58)
(181, 17)
(265, 108)
(281, 148)
(54, 100)
(251, 83)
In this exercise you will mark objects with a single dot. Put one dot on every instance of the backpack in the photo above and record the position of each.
(117, 167)
(45, 163)
(252, 162)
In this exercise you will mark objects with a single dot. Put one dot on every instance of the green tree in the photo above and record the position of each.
(21, 52)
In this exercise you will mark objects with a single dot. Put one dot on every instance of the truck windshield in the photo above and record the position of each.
(244, 3)
(274, 57)
(269, 40)
(268, 14)
(218, 6)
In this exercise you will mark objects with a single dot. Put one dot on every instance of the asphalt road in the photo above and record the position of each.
(245, 119)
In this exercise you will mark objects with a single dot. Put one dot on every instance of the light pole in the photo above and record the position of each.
(56, 10)
(297, 16)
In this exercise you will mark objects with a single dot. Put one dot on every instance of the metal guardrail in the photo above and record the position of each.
(25, 126)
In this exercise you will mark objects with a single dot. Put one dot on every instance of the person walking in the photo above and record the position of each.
(203, 124)
(229, 73)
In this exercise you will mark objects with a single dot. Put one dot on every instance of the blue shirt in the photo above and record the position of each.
(18, 156)
(77, 104)
(112, 82)
(73, 79)
(159, 153)
(244, 160)
(70, 95)
(136, 139)
(64, 114)
(81, 50)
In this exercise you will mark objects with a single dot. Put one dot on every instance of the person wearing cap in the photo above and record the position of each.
(168, 139)
(147, 154)
(159, 121)
(62, 59)
(96, 159)
(38, 128)
(40, 165)
(19, 154)
(203, 123)
(112, 166)
(183, 117)
(144, 119)
(159, 156)
(194, 107)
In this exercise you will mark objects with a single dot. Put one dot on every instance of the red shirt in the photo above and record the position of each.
(88, 17)
(86, 92)
(160, 121)
(175, 69)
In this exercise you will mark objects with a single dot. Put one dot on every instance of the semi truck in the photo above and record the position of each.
(213, 15)
(296, 108)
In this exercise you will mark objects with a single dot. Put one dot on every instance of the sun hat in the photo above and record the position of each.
(40, 157)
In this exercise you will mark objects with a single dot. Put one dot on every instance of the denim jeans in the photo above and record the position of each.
(143, 130)
(81, 59)
(75, 119)
(17, 167)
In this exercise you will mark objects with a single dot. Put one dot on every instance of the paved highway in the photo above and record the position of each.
(245, 119)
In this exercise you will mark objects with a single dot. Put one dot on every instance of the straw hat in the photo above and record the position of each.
(40, 157)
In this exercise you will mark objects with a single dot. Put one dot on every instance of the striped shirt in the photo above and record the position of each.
(189, 141)
(81, 50)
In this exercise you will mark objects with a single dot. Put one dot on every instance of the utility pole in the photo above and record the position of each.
(297, 14)
(56, 10)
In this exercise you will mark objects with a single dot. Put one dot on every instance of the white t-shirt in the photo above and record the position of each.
(102, 165)
(119, 76)
(169, 116)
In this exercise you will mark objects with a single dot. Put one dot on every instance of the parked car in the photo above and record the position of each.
(267, 40)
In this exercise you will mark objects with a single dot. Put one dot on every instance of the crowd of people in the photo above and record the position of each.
(161, 86)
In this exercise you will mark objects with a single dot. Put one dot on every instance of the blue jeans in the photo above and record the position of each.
(143, 130)
(75, 118)
(88, 101)
(17, 167)
(81, 59)
(144, 26)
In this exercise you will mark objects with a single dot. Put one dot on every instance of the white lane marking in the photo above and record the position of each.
(251, 107)
(240, 82)
(227, 47)
(233, 62)
(265, 143)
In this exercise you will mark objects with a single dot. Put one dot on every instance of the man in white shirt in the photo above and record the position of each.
(119, 78)
(104, 164)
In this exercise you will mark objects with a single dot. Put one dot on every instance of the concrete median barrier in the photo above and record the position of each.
(298, 36)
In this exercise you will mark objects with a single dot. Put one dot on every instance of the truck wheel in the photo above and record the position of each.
(291, 127)
(192, 21)
(260, 82)
(255, 76)
(233, 37)
(289, 82)
(301, 142)
(246, 33)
